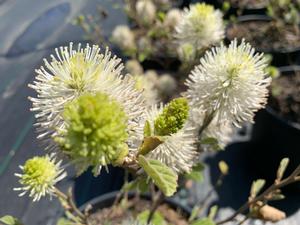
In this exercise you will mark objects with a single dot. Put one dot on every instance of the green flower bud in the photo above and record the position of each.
(172, 117)
(96, 131)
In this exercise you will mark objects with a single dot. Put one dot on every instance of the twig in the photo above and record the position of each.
(294, 177)
(204, 202)
(157, 199)
(71, 207)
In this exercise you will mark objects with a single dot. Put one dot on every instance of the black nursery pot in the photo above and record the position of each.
(108, 199)
(87, 186)
(281, 57)
(274, 138)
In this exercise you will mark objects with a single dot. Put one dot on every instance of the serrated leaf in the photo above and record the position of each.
(156, 220)
(282, 167)
(10, 220)
(204, 221)
(223, 167)
(256, 187)
(64, 221)
(163, 177)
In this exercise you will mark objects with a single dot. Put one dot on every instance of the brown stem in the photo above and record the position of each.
(71, 204)
(294, 177)
(207, 120)
(157, 200)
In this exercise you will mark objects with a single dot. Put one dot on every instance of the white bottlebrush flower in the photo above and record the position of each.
(74, 72)
(146, 11)
(186, 53)
(173, 18)
(123, 37)
(39, 176)
(147, 86)
(166, 85)
(201, 26)
(178, 149)
(229, 83)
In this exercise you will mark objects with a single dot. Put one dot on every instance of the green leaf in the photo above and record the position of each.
(256, 187)
(205, 221)
(163, 177)
(64, 221)
(130, 186)
(276, 197)
(197, 173)
(161, 16)
(194, 213)
(156, 220)
(195, 176)
(149, 144)
(143, 185)
(147, 129)
(9, 220)
(282, 167)
(213, 212)
(213, 142)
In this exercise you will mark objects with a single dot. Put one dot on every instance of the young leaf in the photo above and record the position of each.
(213, 142)
(9, 220)
(197, 173)
(147, 129)
(282, 167)
(149, 144)
(194, 213)
(163, 177)
(156, 220)
(143, 185)
(213, 212)
(130, 186)
(205, 221)
(256, 187)
(64, 221)
(195, 176)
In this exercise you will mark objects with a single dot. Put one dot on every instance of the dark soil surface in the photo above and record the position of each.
(285, 98)
(118, 214)
(265, 35)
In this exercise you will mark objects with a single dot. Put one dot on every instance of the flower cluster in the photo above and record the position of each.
(89, 112)
(73, 73)
(177, 148)
(39, 176)
(95, 132)
(200, 27)
(230, 83)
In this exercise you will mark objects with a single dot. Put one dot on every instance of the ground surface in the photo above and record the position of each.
(29, 29)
